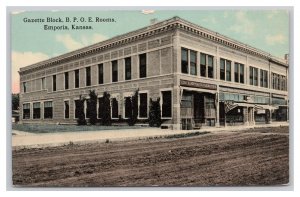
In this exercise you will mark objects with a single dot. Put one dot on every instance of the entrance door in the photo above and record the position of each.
(222, 113)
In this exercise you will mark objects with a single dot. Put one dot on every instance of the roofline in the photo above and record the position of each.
(131, 36)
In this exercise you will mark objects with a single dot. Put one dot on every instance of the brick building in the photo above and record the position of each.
(202, 78)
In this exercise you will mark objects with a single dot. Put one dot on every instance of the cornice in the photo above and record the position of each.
(146, 32)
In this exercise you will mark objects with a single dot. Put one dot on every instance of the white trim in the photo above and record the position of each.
(161, 102)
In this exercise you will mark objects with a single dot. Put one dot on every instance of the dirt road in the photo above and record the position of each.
(254, 157)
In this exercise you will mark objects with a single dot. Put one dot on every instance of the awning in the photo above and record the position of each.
(198, 90)
(230, 105)
(269, 107)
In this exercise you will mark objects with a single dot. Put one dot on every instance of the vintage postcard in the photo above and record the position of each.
(150, 97)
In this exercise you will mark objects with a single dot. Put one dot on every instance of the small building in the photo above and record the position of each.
(201, 77)
(15, 116)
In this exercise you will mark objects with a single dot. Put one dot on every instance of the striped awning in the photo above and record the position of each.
(230, 105)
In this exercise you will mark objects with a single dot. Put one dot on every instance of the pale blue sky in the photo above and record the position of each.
(267, 30)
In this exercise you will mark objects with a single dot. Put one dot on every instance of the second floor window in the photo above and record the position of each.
(228, 70)
(77, 78)
(238, 73)
(114, 65)
(193, 62)
(128, 68)
(143, 65)
(88, 76)
(54, 82)
(184, 61)
(24, 87)
(253, 76)
(206, 65)
(263, 78)
(210, 66)
(225, 69)
(100, 73)
(66, 80)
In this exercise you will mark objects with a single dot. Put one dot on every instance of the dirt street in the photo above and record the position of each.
(252, 157)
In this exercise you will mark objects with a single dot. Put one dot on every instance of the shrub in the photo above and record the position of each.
(133, 109)
(80, 111)
(106, 114)
(154, 113)
(92, 107)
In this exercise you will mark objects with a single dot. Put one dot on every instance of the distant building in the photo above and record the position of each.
(15, 116)
(202, 78)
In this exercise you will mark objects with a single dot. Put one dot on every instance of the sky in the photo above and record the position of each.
(267, 30)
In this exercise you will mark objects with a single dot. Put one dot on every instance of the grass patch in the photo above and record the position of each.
(49, 128)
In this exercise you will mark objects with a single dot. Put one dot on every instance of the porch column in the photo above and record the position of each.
(217, 110)
(253, 117)
(270, 113)
(245, 114)
(176, 108)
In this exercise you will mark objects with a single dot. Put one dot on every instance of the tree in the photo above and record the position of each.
(133, 110)
(92, 107)
(155, 113)
(80, 111)
(15, 101)
(106, 114)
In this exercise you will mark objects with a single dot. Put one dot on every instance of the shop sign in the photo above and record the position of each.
(194, 84)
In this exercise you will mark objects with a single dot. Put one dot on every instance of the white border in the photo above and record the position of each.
(296, 112)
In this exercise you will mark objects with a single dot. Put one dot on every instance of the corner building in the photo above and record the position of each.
(201, 77)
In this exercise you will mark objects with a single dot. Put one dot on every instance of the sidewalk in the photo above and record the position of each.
(22, 139)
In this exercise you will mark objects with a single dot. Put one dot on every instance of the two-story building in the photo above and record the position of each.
(201, 77)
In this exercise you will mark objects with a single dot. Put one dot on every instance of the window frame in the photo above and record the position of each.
(139, 104)
(125, 68)
(187, 61)
(45, 110)
(114, 71)
(54, 88)
(66, 80)
(33, 111)
(193, 63)
(23, 114)
(161, 103)
(66, 100)
(112, 105)
(142, 67)
(77, 78)
(100, 73)
(88, 76)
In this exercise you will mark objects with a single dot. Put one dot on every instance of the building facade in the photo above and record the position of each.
(201, 77)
